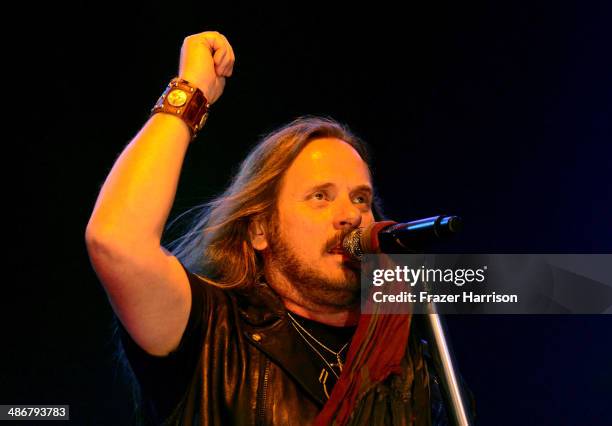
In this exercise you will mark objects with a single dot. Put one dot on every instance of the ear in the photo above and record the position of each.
(257, 234)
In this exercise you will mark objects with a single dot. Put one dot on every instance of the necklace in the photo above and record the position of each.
(301, 330)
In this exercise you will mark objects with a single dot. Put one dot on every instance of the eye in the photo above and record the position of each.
(360, 199)
(319, 195)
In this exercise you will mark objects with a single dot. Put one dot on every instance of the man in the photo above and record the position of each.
(250, 319)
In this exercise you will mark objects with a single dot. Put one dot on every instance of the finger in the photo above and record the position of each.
(219, 47)
(212, 39)
(232, 61)
(220, 61)
(219, 56)
(228, 64)
(223, 60)
(230, 69)
(224, 63)
(229, 60)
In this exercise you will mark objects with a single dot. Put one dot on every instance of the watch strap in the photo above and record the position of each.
(184, 100)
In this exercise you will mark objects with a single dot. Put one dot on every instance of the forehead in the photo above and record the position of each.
(327, 160)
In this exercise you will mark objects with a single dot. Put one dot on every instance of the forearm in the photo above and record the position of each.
(148, 288)
(136, 198)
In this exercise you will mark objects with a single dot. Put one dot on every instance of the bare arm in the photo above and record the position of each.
(147, 286)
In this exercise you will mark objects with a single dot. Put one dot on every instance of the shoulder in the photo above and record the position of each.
(257, 303)
(205, 287)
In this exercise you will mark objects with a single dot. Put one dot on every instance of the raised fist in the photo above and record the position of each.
(206, 60)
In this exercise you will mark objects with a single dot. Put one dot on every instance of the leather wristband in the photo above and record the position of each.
(186, 101)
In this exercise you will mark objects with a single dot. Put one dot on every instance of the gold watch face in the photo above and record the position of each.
(177, 98)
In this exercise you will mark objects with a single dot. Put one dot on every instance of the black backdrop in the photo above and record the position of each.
(497, 112)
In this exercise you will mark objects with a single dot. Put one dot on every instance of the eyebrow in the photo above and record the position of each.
(363, 188)
(327, 185)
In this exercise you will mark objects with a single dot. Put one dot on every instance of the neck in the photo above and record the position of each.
(342, 318)
(300, 304)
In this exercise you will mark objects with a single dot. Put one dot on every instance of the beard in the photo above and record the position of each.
(313, 288)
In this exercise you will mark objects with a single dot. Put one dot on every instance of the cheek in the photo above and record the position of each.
(303, 232)
(303, 218)
(304, 229)
(367, 219)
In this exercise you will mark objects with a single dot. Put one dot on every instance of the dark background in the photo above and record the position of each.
(498, 112)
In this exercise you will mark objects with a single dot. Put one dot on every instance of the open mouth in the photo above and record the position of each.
(347, 260)
(337, 250)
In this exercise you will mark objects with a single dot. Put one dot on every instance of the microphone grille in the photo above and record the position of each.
(352, 244)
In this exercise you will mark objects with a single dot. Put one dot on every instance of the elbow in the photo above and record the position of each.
(106, 245)
(97, 235)
(100, 244)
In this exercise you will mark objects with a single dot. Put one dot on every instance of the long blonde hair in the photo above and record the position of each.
(217, 243)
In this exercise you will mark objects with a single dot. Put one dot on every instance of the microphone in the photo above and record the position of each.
(393, 237)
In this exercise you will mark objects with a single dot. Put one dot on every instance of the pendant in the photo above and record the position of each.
(323, 380)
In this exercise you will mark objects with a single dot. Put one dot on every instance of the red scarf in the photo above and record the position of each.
(376, 352)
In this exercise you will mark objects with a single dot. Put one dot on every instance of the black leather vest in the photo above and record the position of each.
(254, 370)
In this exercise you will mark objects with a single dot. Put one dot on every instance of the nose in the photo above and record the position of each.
(347, 216)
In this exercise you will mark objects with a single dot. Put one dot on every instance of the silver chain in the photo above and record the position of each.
(296, 322)
(299, 327)
(317, 352)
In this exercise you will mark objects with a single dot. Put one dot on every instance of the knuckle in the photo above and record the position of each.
(189, 39)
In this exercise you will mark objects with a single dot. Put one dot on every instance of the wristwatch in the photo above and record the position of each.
(186, 101)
